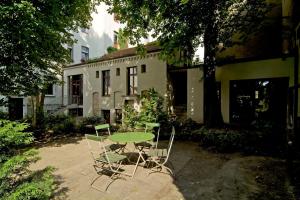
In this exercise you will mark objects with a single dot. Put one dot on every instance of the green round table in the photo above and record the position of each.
(131, 137)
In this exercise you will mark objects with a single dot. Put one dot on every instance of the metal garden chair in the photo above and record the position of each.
(160, 157)
(102, 127)
(148, 145)
(105, 161)
(113, 147)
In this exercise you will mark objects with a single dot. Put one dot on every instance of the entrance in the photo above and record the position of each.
(259, 100)
(15, 108)
(179, 84)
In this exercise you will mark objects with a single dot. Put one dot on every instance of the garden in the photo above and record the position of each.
(195, 147)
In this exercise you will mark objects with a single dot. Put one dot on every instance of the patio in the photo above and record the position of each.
(199, 174)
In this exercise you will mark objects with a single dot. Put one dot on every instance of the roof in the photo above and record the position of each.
(122, 53)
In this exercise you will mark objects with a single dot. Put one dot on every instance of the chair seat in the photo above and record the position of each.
(113, 157)
(158, 153)
(114, 147)
(145, 144)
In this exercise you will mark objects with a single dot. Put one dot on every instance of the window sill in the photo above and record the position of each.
(106, 95)
(49, 95)
(131, 96)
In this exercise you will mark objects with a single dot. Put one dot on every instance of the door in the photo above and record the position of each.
(15, 108)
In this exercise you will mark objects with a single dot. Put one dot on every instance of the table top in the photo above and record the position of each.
(130, 137)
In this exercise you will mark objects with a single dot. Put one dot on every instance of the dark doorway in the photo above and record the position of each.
(15, 108)
(179, 83)
(259, 100)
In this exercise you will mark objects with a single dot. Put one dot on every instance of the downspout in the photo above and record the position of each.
(62, 88)
(296, 78)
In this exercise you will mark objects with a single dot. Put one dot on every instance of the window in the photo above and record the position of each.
(258, 101)
(118, 116)
(75, 92)
(76, 112)
(105, 83)
(106, 115)
(116, 17)
(71, 53)
(84, 53)
(50, 90)
(115, 38)
(97, 74)
(132, 80)
(84, 30)
(118, 72)
(143, 68)
(116, 44)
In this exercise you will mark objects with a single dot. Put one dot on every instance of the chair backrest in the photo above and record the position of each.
(151, 125)
(98, 142)
(102, 127)
(170, 143)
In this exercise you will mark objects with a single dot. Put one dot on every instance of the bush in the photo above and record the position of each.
(16, 180)
(4, 115)
(130, 117)
(94, 120)
(60, 124)
(152, 110)
(229, 140)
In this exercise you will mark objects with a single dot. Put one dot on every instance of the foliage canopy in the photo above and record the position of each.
(181, 25)
(33, 37)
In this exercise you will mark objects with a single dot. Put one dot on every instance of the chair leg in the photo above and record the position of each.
(158, 165)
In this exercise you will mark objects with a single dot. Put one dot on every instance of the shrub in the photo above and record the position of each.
(60, 124)
(130, 117)
(4, 115)
(152, 110)
(94, 120)
(152, 106)
(229, 140)
(16, 180)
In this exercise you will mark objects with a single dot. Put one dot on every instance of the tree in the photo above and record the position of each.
(16, 180)
(33, 36)
(181, 26)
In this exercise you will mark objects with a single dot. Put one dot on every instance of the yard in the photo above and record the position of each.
(200, 174)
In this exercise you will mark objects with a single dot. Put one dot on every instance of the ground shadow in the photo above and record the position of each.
(60, 193)
(58, 140)
(209, 175)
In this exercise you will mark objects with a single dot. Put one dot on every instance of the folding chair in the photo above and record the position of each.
(113, 147)
(104, 160)
(160, 157)
(102, 127)
(148, 145)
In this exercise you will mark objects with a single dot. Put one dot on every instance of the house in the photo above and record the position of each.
(90, 43)
(254, 79)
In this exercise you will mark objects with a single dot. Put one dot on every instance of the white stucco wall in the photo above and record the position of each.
(195, 94)
(98, 37)
(272, 68)
(155, 76)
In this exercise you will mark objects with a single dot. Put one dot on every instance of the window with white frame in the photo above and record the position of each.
(84, 53)
(71, 53)
(105, 83)
(132, 81)
(49, 90)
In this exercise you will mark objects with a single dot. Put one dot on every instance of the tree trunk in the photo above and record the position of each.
(37, 109)
(212, 107)
(33, 105)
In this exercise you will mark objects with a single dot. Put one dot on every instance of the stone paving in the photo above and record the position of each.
(199, 175)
